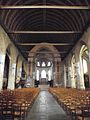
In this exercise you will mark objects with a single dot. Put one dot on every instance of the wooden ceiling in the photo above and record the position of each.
(58, 22)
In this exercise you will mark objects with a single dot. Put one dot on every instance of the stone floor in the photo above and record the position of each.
(46, 108)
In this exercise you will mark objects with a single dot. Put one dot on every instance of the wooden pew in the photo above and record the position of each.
(16, 103)
(75, 102)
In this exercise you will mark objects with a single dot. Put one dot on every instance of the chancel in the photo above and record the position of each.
(44, 59)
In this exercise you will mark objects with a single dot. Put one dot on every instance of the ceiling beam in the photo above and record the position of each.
(47, 52)
(43, 32)
(56, 44)
(47, 57)
(44, 7)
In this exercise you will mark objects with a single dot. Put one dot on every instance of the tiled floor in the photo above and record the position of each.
(46, 108)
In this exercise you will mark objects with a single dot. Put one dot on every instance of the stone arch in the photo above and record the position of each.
(44, 45)
(84, 58)
(51, 50)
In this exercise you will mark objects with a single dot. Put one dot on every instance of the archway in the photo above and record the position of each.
(84, 65)
(44, 57)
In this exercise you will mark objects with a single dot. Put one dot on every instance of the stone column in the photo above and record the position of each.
(46, 74)
(69, 77)
(31, 67)
(31, 72)
(55, 72)
(11, 80)
(56, 81)
(2, 61)
(79, 76)
(65, 79)
(59, 70)
(19, 68)
(88, 45)
(73, 81)
(40, 74)
(26, 69)
(59, 73)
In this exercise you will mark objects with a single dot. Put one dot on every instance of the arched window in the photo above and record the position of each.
(43, 64)
(38, 63)
(43, 74)
(48, 64)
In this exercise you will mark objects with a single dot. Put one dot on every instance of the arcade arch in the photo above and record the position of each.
(84, 59)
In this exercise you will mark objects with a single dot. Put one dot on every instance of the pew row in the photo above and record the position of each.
(15, 104)
(75, 102)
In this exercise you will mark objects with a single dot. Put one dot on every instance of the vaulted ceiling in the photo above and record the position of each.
(58, 22)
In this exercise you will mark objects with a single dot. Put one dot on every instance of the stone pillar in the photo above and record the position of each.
(73, 81)
(19, 68)
(89, 59)
(56, 81)
(11, 80)
(2, 61)
(69, 77)
(31, 67)
(46, 74)
(79, 76)
(59, 79)
(20, 72)
(40, 74)
(65, 79)
(26, 69)
(31, 72)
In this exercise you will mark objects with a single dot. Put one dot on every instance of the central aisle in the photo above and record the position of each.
(46, 108)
